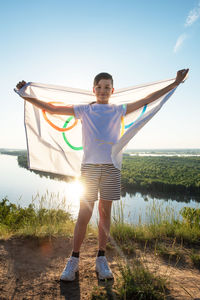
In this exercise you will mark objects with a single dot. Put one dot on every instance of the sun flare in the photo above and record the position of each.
(74, 190)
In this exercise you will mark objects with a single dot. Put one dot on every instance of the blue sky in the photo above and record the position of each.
(69, 42)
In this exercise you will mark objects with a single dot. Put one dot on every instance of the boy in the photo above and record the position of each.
(100, 129)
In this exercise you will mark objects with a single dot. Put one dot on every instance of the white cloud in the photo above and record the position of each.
(193, 16)
(179, 42)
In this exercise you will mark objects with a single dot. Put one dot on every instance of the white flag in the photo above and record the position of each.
(54, 142)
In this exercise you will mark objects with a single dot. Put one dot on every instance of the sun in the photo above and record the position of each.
(74, 190)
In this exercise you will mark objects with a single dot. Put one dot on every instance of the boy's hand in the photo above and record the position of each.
(20, 84)
(180, 76)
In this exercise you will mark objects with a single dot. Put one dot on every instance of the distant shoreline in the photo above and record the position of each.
(170, 151)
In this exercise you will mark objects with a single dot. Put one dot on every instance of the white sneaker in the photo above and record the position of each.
(102, 268)
(70, 269)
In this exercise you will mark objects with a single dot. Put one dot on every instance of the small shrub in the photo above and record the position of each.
(191, 216)
(172, 254)
(138, 283)
(196, 260)
(32, 221)
(15, 217)
(99, 293)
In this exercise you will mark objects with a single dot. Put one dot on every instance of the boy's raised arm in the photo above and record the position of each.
(181, 74)
(50, 108)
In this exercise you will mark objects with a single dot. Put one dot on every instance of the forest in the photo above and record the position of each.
(162, 174)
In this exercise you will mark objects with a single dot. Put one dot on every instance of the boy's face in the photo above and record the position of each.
(103, 90)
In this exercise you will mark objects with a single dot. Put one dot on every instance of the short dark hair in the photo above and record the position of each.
(100, 76)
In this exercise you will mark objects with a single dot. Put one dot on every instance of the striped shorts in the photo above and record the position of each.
(100, 179)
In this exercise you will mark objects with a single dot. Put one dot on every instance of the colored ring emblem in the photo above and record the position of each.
(65, 128)
(53, 125)
(143, 111)
(64, 136)
(123, 126)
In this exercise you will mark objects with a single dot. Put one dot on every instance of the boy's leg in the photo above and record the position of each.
(109, 191)
(102, 267)
(85, 213)
(84, 216)
(104, 222)
(90, 179)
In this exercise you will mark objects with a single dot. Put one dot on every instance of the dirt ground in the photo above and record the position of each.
(30, 269)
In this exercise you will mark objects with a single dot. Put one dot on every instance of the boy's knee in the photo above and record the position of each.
(86, 206)
(83, 221)
(85, 213)
(105, 210)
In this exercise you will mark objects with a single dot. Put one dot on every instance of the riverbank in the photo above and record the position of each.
(156, 261)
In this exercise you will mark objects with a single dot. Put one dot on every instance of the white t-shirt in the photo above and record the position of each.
(100, 130)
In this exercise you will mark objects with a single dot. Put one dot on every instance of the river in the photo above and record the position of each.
(23, 187)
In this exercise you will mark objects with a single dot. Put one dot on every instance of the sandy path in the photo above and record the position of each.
(30, 269)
